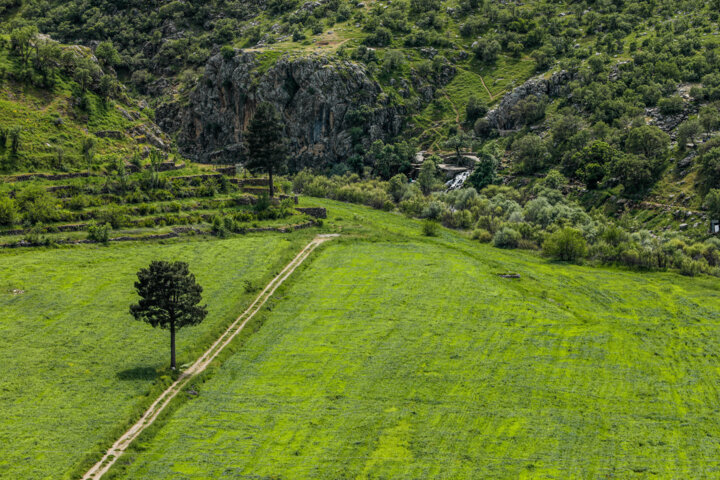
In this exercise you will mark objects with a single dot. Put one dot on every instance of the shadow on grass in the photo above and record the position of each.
(138, 373)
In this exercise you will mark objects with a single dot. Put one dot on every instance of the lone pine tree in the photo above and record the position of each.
(170, 299)
(267, 148)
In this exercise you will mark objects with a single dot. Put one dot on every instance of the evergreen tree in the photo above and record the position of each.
(169, 299)
(267, 147)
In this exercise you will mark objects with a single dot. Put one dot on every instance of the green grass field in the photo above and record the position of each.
(76, 368)
(396, 356)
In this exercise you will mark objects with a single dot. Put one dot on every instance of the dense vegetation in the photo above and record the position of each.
(534, 140)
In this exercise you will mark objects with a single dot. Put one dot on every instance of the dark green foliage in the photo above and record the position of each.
(634, 172)
(475, 109)
(390, 159)
(671, 105)
(99, 232)
(266, 144)
(647, 140)
(430, 228)
(107, 54)
(712, 203)
(709, 163)
(530, 153)
(8, 211)
(506, 238)
(592, 174)
(487, 50)
(567, 245)
(14, 140)
(380, 38)
(169, 299)
(427, 179)
(484, 173)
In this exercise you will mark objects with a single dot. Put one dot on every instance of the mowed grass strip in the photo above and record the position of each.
(76, 367)
(416, 360)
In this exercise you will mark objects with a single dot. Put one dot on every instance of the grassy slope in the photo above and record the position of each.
(76, 367)
(35, 111)
(410, 358)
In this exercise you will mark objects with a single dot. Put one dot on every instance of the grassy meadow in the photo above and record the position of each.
(393, 355)
(76, 368)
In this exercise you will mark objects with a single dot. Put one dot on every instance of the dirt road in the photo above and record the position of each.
(122, 443)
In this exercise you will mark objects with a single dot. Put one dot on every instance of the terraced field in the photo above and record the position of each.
(407, 357)
(76, 368)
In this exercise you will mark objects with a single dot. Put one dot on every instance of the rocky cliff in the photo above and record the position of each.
(321, 100)
(502, 118)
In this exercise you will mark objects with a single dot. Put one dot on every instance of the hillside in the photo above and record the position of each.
(502, 221)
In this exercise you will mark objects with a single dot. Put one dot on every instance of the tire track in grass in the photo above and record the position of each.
(151, 414)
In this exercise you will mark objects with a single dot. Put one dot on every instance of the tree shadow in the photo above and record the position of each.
(138, 373)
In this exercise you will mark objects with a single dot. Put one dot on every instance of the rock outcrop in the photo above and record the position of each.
(502, 118)
(324, 103)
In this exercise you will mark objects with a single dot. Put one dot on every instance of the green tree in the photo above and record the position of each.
(107, 87)
(530, 153)
(427, 177)
(647, 140)
(484, 173)
(567, 245)
(169, 299)
(592, 174)
(267, 147)
(457, 142)
(20, 39)
(712, 203)
(687, 131)
(107, 54)
(88, 151)
(14, 140)
(83, 76)
(709, 172)
(634, 172)
(475, 108)
(709, 119)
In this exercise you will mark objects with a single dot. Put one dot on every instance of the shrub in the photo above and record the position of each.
(8, 211)
(566, 244)
(482, 235)
(263, 203)
(38, 205)
(430, 228)
(506, 238)
(99, 232)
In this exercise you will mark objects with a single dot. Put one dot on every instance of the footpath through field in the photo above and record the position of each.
(119, 447)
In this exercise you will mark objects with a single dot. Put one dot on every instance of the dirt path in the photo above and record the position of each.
(119, 447)
(486, 88)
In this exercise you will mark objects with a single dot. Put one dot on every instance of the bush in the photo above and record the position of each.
(482, 235)
(506, 238)
(430, 228)
(99, 232)
(38, 205)
(8, 211)
(567, 245)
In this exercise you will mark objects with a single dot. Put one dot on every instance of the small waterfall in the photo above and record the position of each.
(458, 181)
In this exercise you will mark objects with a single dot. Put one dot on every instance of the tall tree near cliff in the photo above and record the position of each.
(266, 143)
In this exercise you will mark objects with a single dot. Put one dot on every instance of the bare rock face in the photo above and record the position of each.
(501, 117)
(321, 100)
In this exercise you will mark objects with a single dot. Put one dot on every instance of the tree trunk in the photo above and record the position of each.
(172, 345)
(272, 189)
